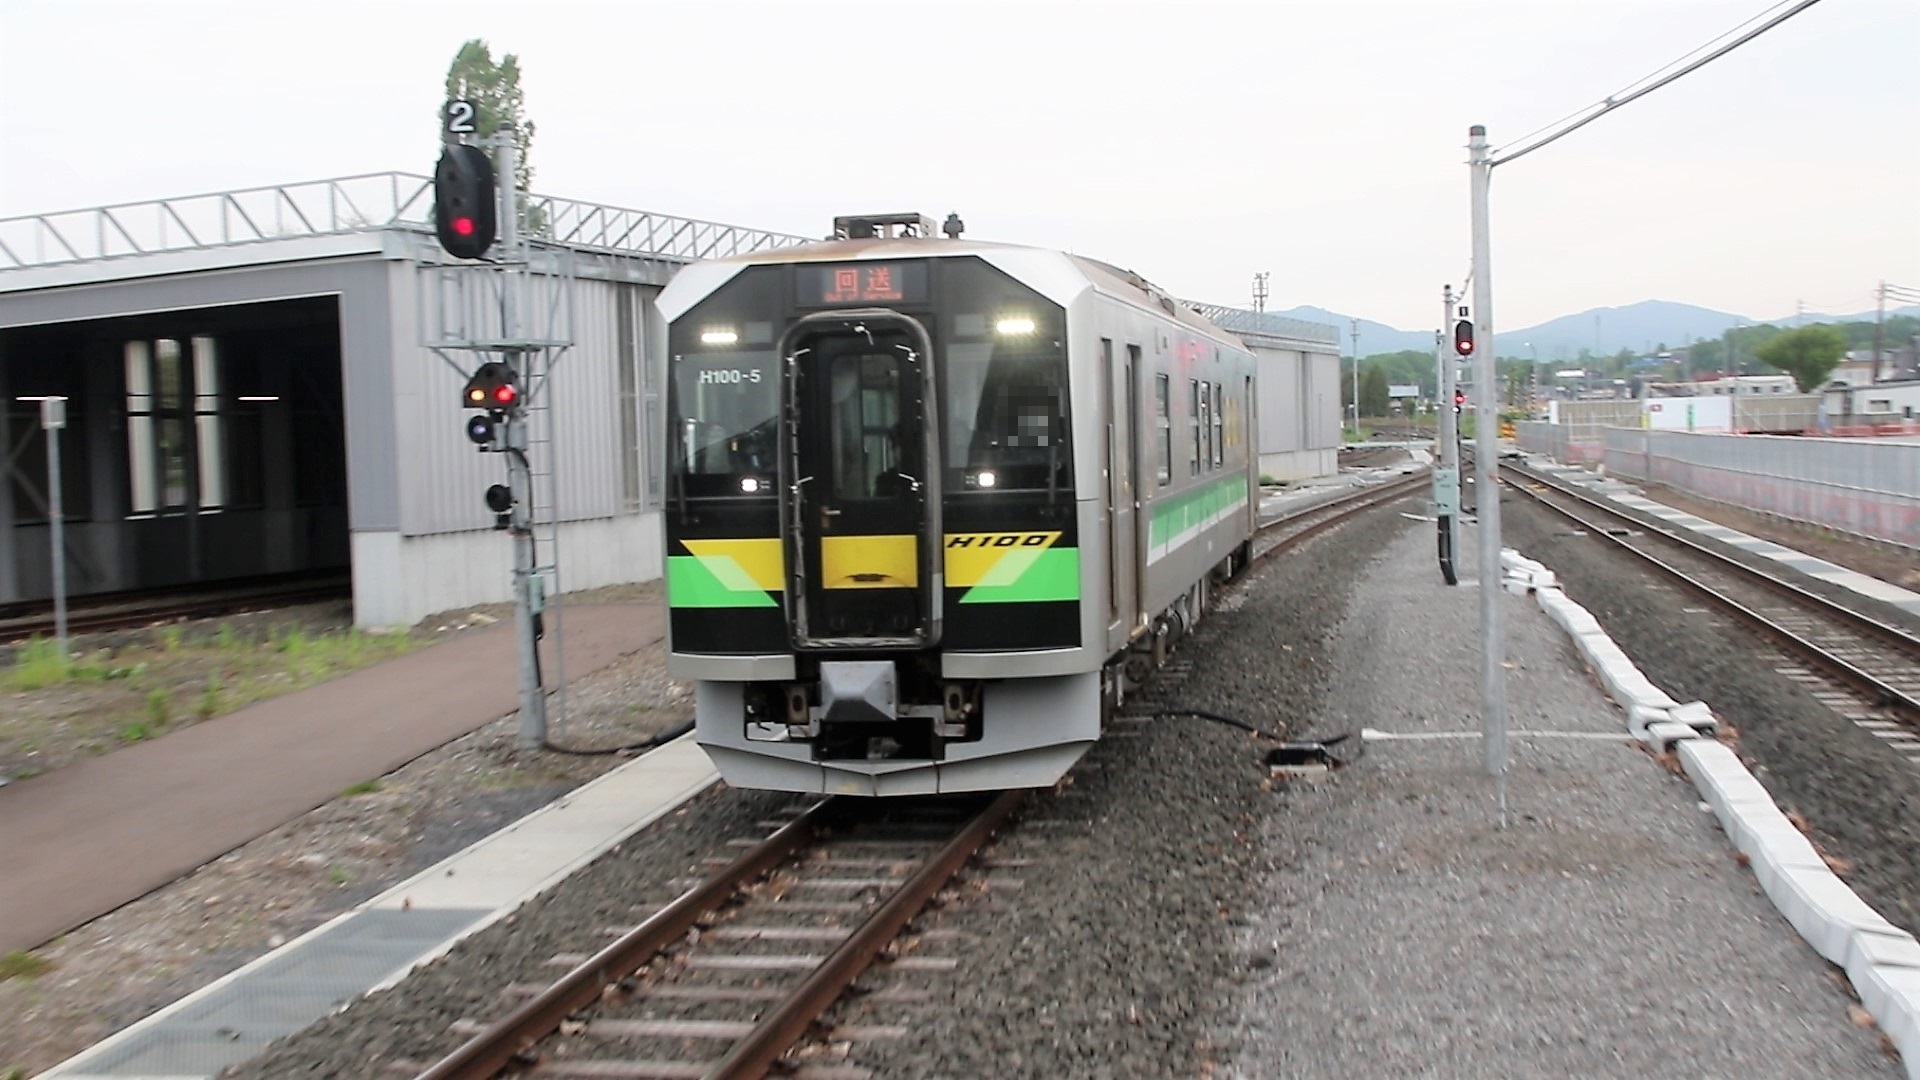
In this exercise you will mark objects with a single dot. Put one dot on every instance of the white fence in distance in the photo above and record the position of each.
(1868, 488)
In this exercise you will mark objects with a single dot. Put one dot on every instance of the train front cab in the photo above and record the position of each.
(874, 574)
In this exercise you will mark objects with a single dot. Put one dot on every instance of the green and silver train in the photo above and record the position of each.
(933, 505)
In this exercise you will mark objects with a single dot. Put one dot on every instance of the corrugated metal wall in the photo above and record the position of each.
(1282, 411)
(598, 433)
(1857, 486)
(1299, 400)
(1323, 401)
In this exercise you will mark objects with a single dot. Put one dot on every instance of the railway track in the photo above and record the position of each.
(1279, 534)
(731, 978)
(725, 981)
(93, 615)
(1866, 669)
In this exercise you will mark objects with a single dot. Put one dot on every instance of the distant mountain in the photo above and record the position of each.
(1374, 337)
(1602, 331)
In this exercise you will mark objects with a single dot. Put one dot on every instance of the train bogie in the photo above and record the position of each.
(926, 498)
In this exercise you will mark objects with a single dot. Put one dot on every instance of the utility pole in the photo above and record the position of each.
(1260, 291)
(1879, 328)
(1355, 323)
(1486, 458)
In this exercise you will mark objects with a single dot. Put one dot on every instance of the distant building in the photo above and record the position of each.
(1874, 403)
(1713, 385)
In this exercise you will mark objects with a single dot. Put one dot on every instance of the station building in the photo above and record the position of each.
(260, 388)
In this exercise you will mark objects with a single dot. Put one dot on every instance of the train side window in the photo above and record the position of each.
(1163, 422)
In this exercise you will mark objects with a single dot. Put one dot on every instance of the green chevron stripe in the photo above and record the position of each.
(692, 583)
(1024, 577)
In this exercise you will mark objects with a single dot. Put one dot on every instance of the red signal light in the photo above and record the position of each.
(463, 226)
(504, 395)
(1463, 337)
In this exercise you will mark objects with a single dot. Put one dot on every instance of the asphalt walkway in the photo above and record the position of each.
(149, 813)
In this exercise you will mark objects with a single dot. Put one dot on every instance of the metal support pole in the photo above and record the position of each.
(1486, 459)
(533, 700)
(53, 417)
(1356, 377)
(1447, 476)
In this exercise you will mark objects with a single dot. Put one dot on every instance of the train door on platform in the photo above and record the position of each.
(861, 520)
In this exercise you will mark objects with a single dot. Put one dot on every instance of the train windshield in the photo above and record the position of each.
(724, 396)
(1006, 384)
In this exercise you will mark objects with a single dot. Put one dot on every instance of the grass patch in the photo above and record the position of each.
(23, 965)
(364, 787)
(59, 708)
(40, 664)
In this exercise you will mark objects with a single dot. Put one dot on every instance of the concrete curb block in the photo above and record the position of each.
(1881, 960)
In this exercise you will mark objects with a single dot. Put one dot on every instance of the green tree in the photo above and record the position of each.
(494, 89)
(1373, 391)
(1809, 354)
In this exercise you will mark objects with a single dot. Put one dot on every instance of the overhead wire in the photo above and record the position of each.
(1655, 73)
(1634, 90)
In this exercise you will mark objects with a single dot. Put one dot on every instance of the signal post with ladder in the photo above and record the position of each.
(477, 305)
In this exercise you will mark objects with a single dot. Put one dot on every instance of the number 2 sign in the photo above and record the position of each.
(459, 117)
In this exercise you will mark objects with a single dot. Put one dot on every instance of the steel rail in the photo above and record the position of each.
(1886, 632)
(104, 617)
(491, 1050)
(760, 1048)
(1860, 679)
(501, 1043)
(1346, 508)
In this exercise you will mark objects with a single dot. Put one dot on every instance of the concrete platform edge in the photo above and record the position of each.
(1881, 960)
(75, 1067)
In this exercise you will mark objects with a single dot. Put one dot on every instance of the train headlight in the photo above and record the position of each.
(985, 478)
(719, 337)
(1014, 326)
(750, 484)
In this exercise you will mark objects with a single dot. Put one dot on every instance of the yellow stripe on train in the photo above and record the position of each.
(874, 562)
(972, 557)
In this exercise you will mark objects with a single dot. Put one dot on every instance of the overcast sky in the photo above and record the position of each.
(1196, 142)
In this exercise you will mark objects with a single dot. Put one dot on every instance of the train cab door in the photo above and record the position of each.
(1120, 403)
(860, 466)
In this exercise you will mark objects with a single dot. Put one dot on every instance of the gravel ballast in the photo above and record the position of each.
(1859, 797)
(1116, 952)
(1168, 911)
(411, 1021)
(1608, 930)
(1096, 941)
